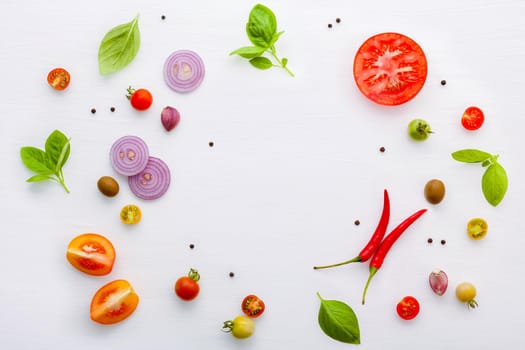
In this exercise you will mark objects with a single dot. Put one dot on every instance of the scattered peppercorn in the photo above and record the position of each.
(211, 144)
(329, 25)
(382, 150)
(192, 246)
(443, 82)
(112, 109)
(232, 274)
(430, 240)
(338, 20)
(163, 17)
(357, 222)
(443, 242)
(93, 110)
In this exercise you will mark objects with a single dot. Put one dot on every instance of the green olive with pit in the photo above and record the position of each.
(108, 186)
(434, 191)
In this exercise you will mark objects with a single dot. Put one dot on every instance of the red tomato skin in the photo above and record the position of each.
(186, 288)
(408, 308)
(390, 68)
(473, 118)
(92, 254)
(252, 306)
(141, 99)
(104, 313)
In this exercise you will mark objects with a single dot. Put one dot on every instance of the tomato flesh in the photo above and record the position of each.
(390, 68)
(473, 118)
(252, 306)
(58, 78)
(91, 253)
(113, 302)
(408, 308)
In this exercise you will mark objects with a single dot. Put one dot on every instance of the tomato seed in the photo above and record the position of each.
(357, 222)
(93, 110)
(430, 240)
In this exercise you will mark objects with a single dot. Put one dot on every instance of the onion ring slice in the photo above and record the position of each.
(129, 155)
(184, 71)
(152, 182)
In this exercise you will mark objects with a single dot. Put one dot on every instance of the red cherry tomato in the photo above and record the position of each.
(390, 68)
(472, 118)
(140, 99)
(91, 253)
(186, 287)
(408, 308)
(113, 302)
(252, 306)
(58, 78)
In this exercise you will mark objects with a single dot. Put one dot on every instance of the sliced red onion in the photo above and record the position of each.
(184, 71)
(129, 155)
(152, 182)
(169, 117)
(438, 280)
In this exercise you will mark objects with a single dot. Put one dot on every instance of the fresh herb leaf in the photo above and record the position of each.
(261, 29)
(494, 183)
(48, 164)
(249, 51)
(339, 321)
(261, 63)
(470, 156)
(119, 47)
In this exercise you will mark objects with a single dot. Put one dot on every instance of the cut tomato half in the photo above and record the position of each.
(390, 68)
(58, 78)
(113, 302)
(473, 118)
(91, 253)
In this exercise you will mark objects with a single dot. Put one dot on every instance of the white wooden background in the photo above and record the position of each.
(295, 162)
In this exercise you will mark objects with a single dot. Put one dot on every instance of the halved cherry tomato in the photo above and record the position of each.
(113, 302)
(58, 78)
(130, 214)
(252, 306)
(472, 118)
(390, 68)
(140, 99)
(186, 287)
(91, 253)
(477, 228)
(408, 308)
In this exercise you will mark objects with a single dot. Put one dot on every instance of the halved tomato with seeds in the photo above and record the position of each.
(390, 68)
(252, 306)
(472, 118)
(58, 78)
(113, 302)
(91, 253)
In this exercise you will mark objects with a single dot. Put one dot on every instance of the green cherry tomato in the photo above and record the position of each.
(466, 292)
(419, 129)
(477, 228)
(241, 327)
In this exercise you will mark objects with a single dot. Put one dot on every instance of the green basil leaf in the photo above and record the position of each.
(494, 183)
(64, 154)
(249, 51)
(261, 63)
(471, 156)
(261, 26)
(36, 160)
(338, 321)
(54, 145)
(119, 47)
(284, 61)
(275, 37)
(38, 178)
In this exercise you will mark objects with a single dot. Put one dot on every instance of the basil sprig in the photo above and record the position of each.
(262, 32)
(48, 164)
(119, 47)
(338, 321)
(494, 182)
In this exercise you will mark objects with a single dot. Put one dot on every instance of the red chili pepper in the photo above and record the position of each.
(384, 247)
(375, 240)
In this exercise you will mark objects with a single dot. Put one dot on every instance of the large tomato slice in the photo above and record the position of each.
(113, 302)
(91, 253)
(390, 68)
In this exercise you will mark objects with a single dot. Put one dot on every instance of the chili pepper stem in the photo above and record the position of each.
(373, 271)
(356, 259)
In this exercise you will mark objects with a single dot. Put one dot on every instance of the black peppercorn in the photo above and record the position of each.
(357, 222)
(232, 274)
(338, 20)
(192, 246)
(382, 149)
(443, 242)
(112, 109)
(443, 82)
(329, 25)
(93, 110)
(430, 240)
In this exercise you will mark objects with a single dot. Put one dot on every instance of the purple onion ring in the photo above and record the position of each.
(184, 71)
(129, 155)
(152, 182)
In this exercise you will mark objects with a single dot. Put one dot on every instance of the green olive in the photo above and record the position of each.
(108, 186)
(434, 191)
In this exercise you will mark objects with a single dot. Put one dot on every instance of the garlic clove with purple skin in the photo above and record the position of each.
(438, 280)
(169, 117)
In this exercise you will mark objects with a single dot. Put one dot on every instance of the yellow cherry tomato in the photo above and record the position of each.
(130, 214)
(477, 228)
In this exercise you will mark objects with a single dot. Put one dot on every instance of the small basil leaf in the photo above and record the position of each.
(36, 160)
(64, 154)
(119, 47)
(261, 63)
(284, 61)
(261, 26)
(38, 178)
(486, 163)
(54, 145)
(276, 37)
(471, 156)
(249, 51)
(338, 321)
(494, 183)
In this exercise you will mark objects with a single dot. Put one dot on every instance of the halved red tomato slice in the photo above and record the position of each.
(58, 78)
(113, 302)
(390, 68)
(472, 118)
(91, 253)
